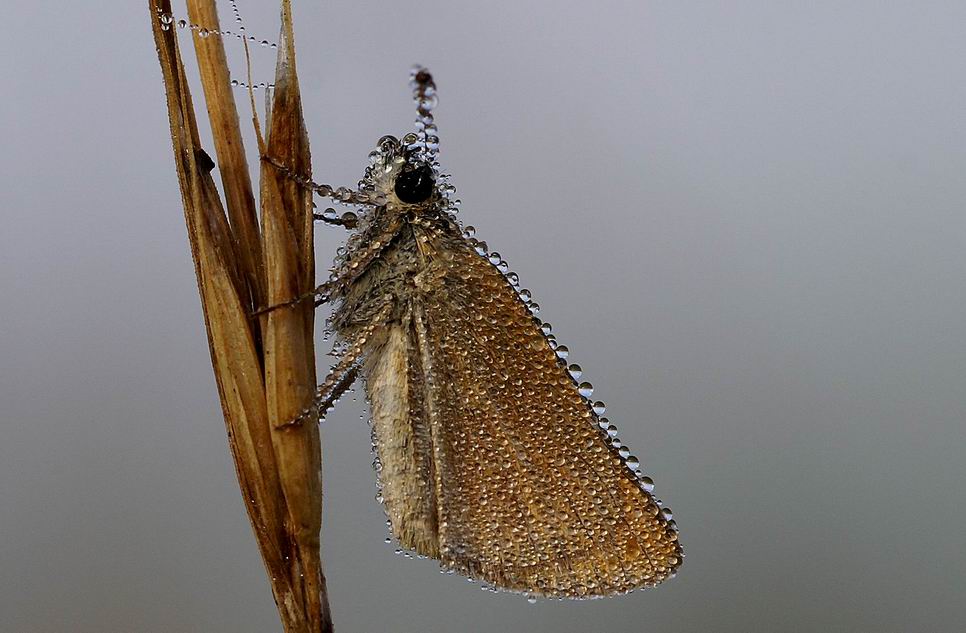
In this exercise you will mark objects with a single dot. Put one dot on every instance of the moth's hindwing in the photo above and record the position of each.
(491, 459)
(401, 437)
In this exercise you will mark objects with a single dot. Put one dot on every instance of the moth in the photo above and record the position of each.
(491, 457)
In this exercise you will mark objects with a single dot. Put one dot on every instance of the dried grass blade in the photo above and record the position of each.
(229, 147)
(289, 346)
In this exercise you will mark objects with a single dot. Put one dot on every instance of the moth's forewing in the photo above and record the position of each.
(528, 494)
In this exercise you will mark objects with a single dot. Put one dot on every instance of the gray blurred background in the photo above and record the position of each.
(745, 219)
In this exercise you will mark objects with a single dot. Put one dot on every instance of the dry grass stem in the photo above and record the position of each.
(264, 368)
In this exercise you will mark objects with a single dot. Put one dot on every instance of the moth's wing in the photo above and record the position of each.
(401, 438)
(530, 495)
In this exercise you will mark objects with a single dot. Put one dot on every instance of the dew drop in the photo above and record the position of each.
(563, 352)
(585, 388)
(632, 462)
(647, 483)
(525, 294)
(575, 371)
(599, 407)
(349, 219)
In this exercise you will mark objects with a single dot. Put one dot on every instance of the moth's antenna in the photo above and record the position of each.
(426, 144)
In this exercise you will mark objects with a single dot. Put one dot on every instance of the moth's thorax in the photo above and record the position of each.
(394, 242)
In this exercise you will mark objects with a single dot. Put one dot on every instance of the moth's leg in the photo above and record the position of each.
(341, 276)
(336, 383)
(344, 223)
(343, 374)
(321, 294)
(340, 194)
(318, 217)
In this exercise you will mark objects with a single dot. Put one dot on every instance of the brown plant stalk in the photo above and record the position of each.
(265, 366)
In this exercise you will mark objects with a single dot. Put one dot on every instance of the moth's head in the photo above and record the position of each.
(402, 171)
(405, 172)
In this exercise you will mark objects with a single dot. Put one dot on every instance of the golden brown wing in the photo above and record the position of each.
(529, 492)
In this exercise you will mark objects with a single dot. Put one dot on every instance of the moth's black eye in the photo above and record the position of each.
(415, 185)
